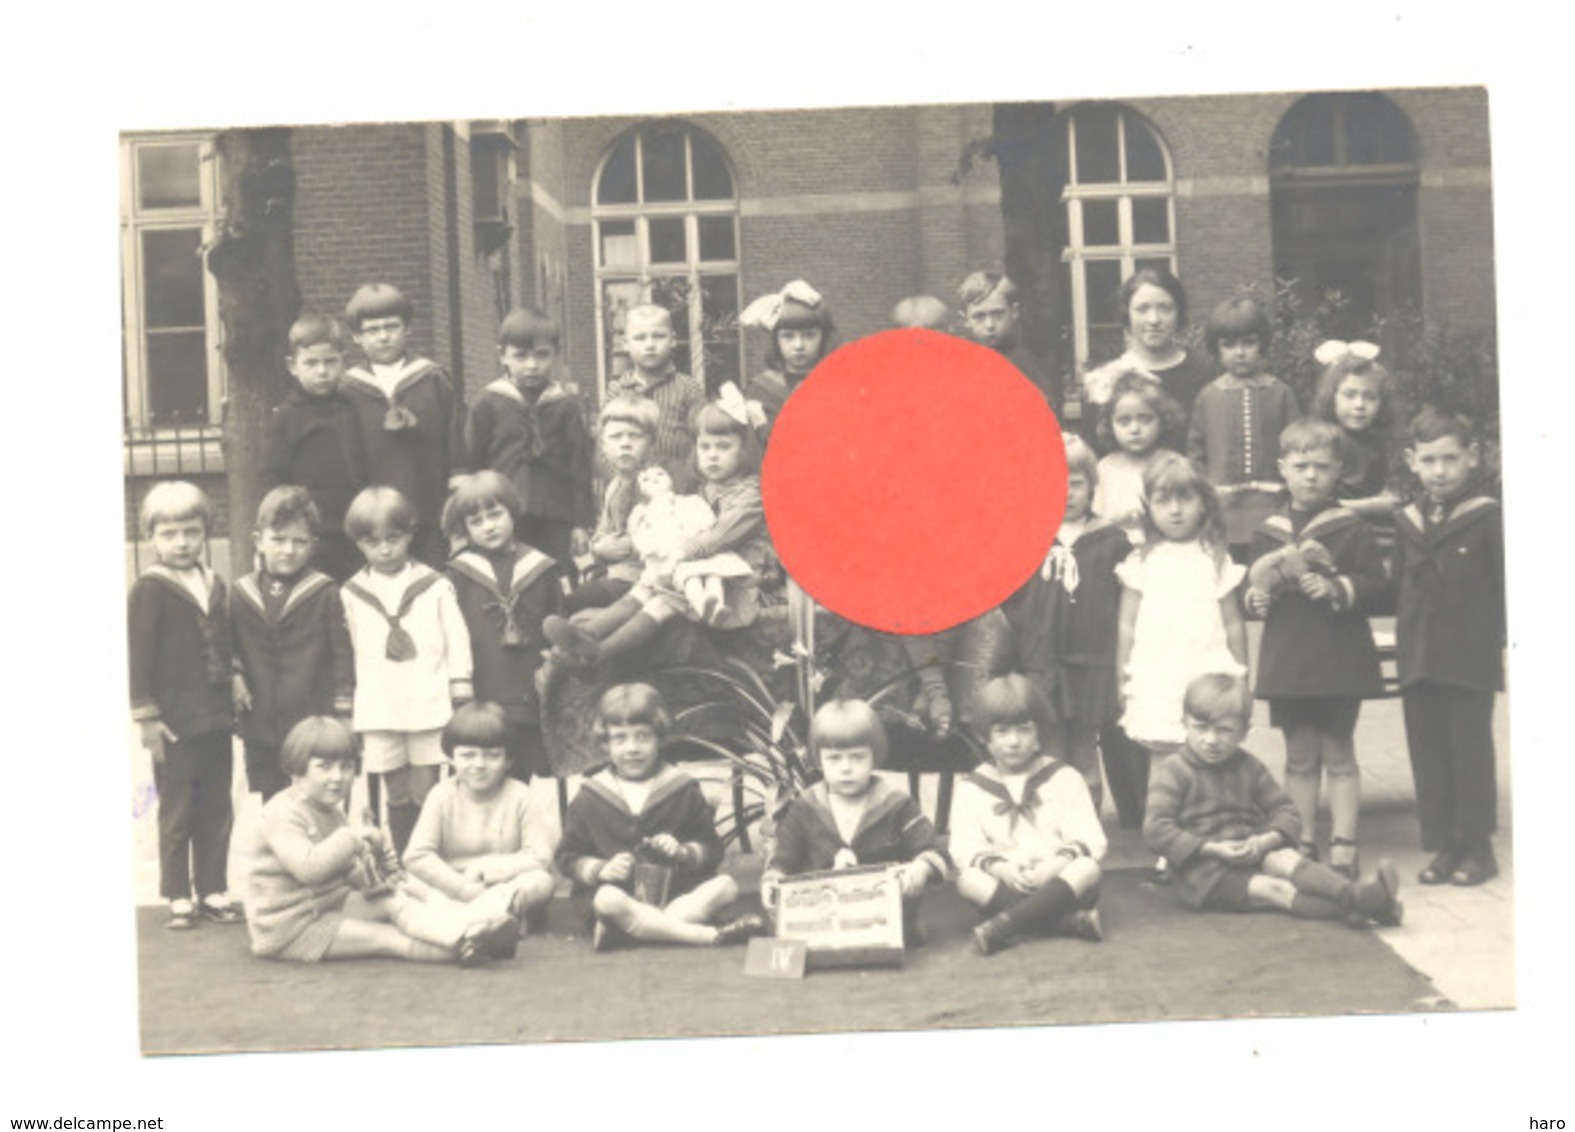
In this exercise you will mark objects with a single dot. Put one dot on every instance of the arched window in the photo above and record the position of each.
(665, 215)
(1342, 187)
(1120, 214)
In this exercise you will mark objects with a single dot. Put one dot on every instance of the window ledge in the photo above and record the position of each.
(168, 452)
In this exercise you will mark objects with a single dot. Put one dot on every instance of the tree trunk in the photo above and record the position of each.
(1032, 164)
(254, 263)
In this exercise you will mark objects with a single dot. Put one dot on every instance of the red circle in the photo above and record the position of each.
(913, 481)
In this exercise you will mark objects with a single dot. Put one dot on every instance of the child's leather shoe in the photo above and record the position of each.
(1441, 868)
(1477, 867)
(744, 928)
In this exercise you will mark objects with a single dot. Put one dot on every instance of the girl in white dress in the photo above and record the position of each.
(1180, 612)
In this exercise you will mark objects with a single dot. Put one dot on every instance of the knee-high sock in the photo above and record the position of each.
(633, 633)
(603, 623)
(1314, 879)
(1038, 909)
(401, 824)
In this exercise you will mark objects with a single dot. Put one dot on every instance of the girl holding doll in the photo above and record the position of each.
(727, 455)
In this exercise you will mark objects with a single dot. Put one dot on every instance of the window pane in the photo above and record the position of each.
(1098, 161)
(1145, 160)
(667, 239)
(618, 295)
(1314, 143)
(619, 246)
(1104, 280)
(1150, 220)
(617, 181)
(168, 176)
(712, 180)
(1101, 223)
(172, 277)
(663, 156)
(719, 320)
(716, 238)
(177, 377)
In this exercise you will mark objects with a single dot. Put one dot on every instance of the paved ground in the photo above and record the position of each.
(1460, 939)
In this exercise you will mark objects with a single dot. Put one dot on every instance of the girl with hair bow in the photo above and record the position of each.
(802, 332)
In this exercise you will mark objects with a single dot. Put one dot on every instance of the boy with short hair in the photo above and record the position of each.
(179, 636)
(627, 431)
(529, 426)
(292, 649)
(1450, 631)
(648, 333)
(1229, 831)
(314, 441)
(988, 301)
(409, 413)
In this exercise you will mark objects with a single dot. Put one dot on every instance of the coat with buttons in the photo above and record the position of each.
(1450, 574)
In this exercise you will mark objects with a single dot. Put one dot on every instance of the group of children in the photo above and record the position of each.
(431, 645)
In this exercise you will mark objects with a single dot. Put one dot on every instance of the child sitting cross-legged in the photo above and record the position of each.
(1024, 832)
(1229, 831)
(640, 810)
(851, 817)
(324, 888)
(480, 839)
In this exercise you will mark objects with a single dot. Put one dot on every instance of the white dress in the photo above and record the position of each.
(1179, 633)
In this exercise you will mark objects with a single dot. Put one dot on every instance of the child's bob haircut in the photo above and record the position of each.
(378, 300)
(1434, 424)
(981, 285)
(1237, 318)
(1171, 475)
(631, 705)
(475, 494)
(1160, 277)
(800, 316)
(1009, 700)
(1139, 384)
(316, 737)
(525, 328)
(1218, 695)
(1313, 434)
(476, 724)
(711, 419)
(379, 510)
(317, 330)
(286, 505)
(1080, 458)
(172, 502)
(1353, 365)
(641, 412)
(841, 724)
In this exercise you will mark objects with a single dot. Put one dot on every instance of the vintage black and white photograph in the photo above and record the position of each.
(477, 721)
(471, 700)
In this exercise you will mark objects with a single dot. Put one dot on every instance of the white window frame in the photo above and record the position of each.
(643, 271)
(177, 447)
(1127, 252)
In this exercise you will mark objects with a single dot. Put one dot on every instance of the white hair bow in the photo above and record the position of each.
(1333, 350)
(766, 311)
(730, 399)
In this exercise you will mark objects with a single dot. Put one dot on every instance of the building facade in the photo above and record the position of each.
(1383, 196)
